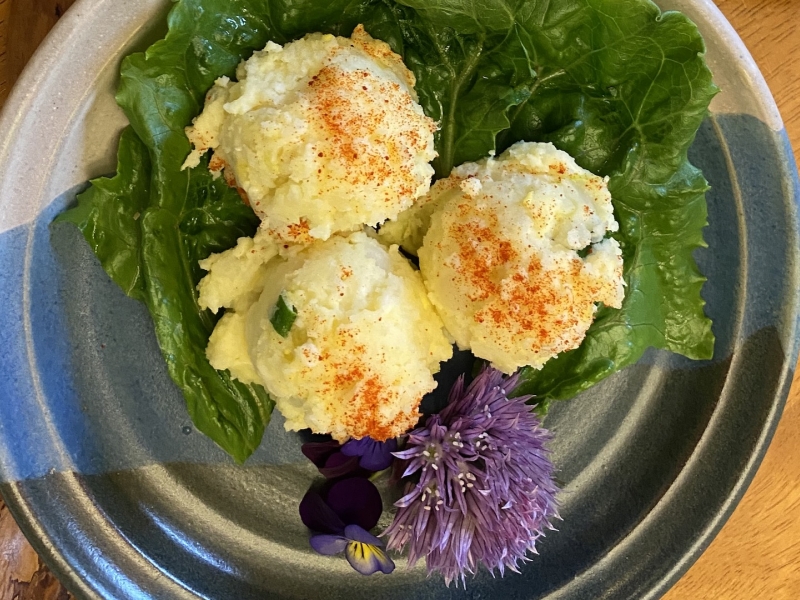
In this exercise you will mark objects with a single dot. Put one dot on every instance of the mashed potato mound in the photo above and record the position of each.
(321, 135)
(236, 276)
(362, 351)
(501, 260)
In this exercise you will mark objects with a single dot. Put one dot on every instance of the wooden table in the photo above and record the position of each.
(757, 554)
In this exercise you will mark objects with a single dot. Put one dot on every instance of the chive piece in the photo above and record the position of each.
(283, 317)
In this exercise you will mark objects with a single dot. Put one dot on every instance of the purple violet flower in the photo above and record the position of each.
(374, 456)
(485, 492)
(319, 452)
(363, 550)
(340, 519)
(355, 457)
(331, 462)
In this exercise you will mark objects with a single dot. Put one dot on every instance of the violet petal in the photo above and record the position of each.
(339, 465)
(375, 456)
(318, 452)
(328, 544)
(356, 501)
(318, 516)
(355, 533)
(355, 447)
(368, 559)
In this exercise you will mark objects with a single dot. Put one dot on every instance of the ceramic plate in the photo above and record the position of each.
(124, 499)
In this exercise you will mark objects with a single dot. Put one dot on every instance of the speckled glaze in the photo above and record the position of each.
(125, 500)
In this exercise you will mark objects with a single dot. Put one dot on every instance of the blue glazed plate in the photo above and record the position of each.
(124, 499)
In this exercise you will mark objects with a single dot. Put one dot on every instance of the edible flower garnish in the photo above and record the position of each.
(340, 519)
(373, 456)
(363, 550)
(485, 492)
(356, 457)
(331, 462)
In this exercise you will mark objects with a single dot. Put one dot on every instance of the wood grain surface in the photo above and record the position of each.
(757, 553)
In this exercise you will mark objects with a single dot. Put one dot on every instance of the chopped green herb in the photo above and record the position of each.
(283, 318)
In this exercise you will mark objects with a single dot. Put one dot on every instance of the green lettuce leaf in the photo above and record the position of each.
(644, 90)
(615, 83)
(468, 77)
(152, 254)
(109, 211)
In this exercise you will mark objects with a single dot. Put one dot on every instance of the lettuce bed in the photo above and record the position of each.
(616, 83)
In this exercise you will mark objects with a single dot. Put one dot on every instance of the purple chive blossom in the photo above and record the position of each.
(340, 519)
(374, 456)
(485, 492)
